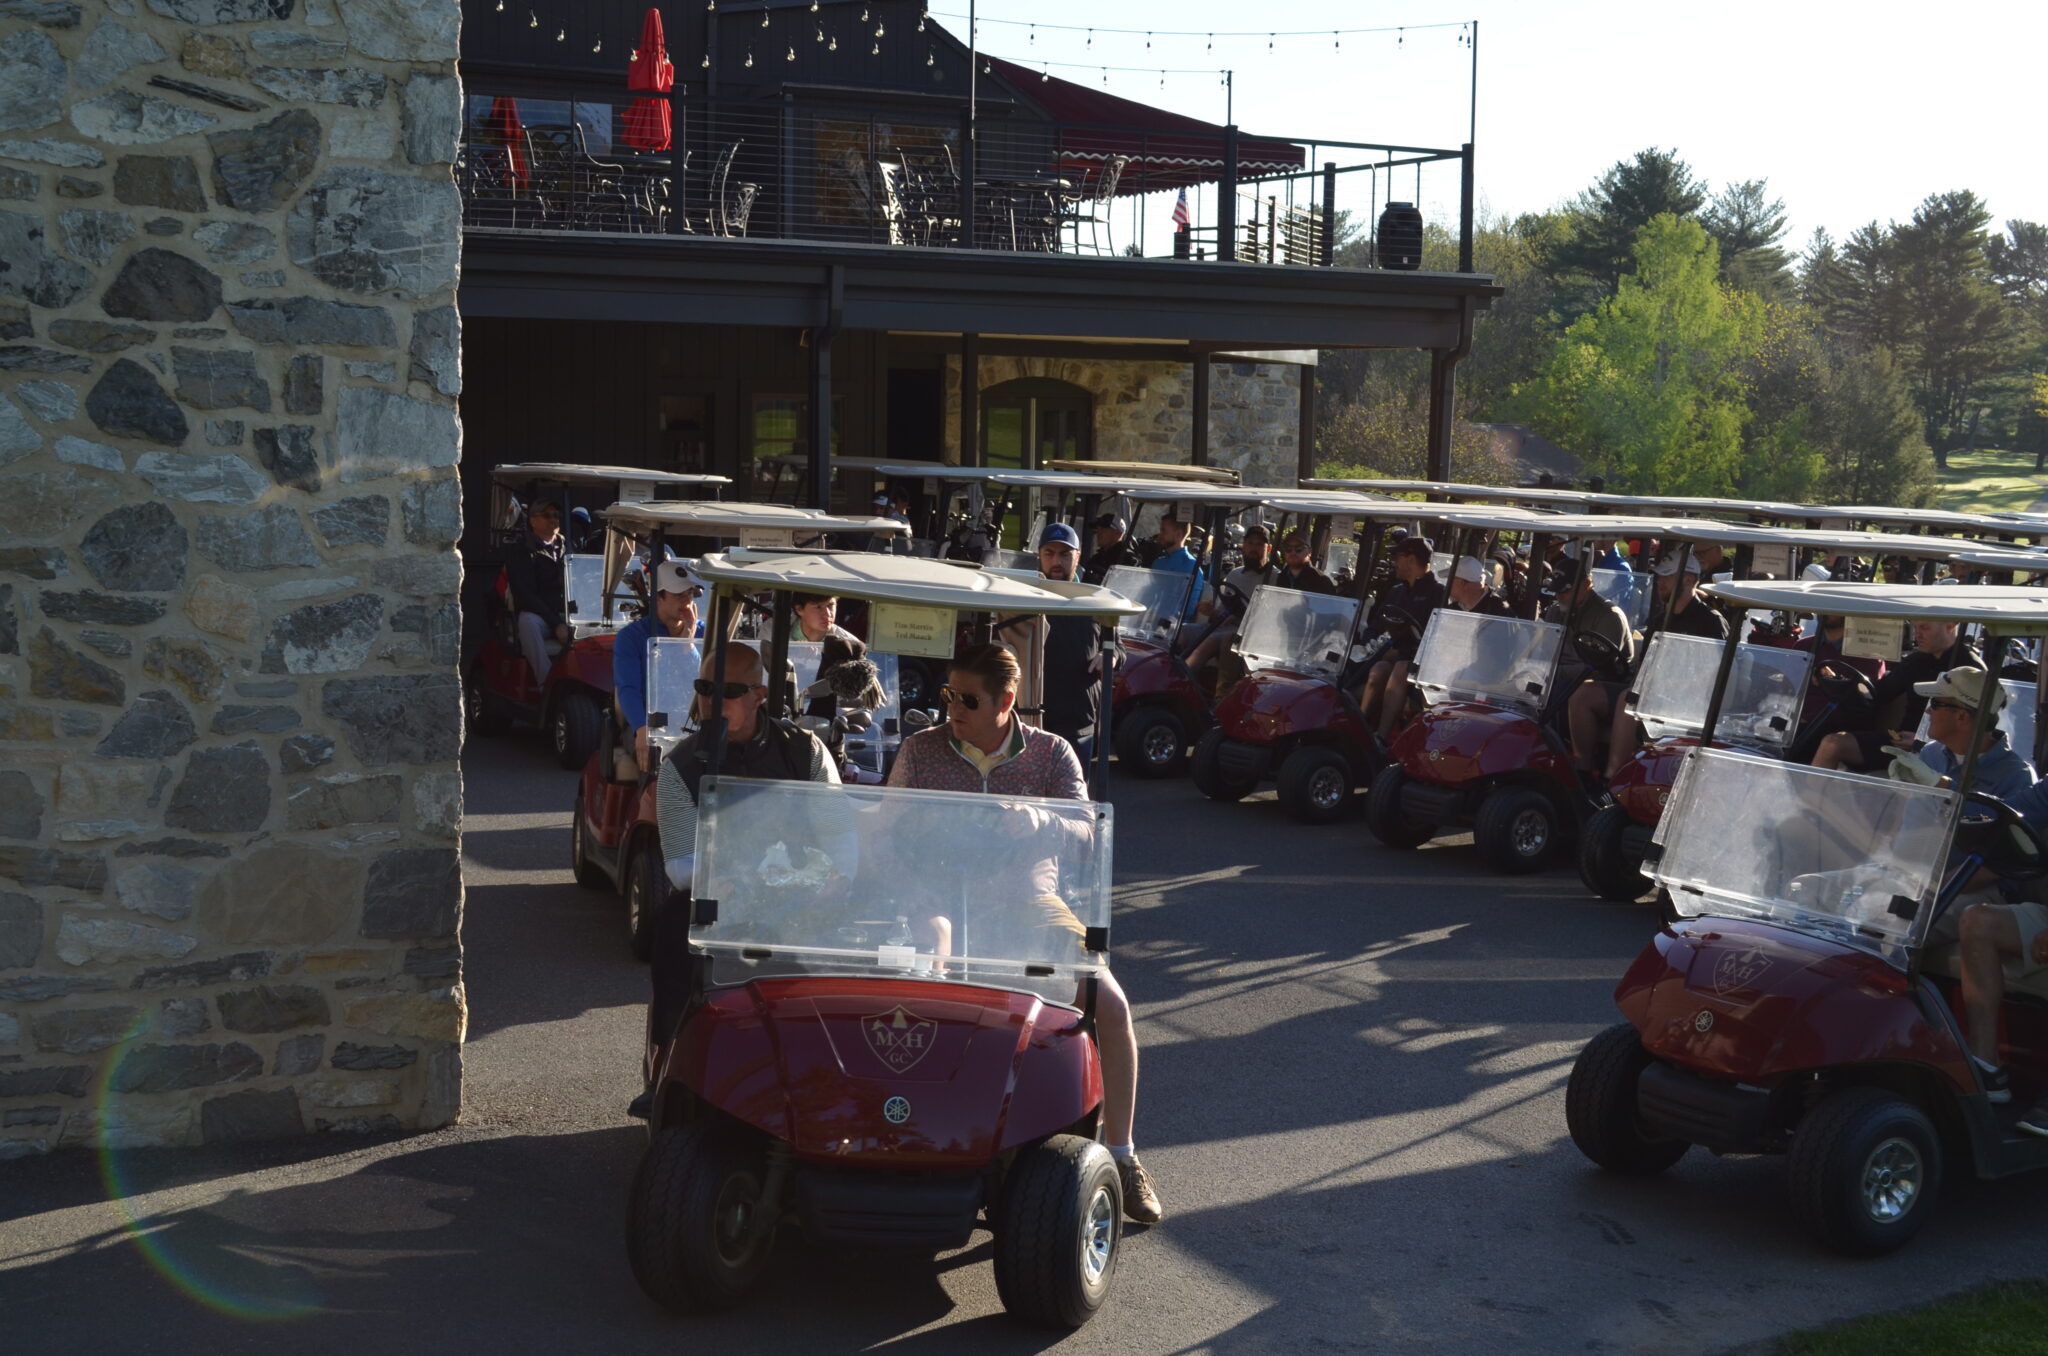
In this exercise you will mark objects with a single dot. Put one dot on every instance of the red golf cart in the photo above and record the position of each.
(888, 1039)
(499, 687)
(1804, 1002)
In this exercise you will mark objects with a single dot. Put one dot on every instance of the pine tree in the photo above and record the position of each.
(1609, 216)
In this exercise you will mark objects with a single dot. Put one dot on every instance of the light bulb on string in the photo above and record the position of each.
(710, 6)
(706, 62)
(1269, 42)
(880, 29)
(501, 6)
(814, 6)
(750, 59)
(876, 50)
(863, 13)
(832, 43)
(1091, 39)
(532, 19)
(1162, 80)
(1337, 42)
(920, 23)
(597, 46)
(1044, 75)
(1148, 42)
(1032, 38)
(930, 58)
(821, 32)
(791, 56)
(1400, 37)
(764, 18)
(1212, 43)
(561, 35)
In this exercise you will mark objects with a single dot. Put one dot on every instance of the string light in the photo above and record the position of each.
(706, 62)
(880, 29)
(750, 58)
(930, 58)
(791, 56)
(561, 35)
(764, 18)
(832, 43)
(532, 19)
(814, 6)
(501, 6)
(821, 32)
(1226, 33)
(597, 46)
(876, 50)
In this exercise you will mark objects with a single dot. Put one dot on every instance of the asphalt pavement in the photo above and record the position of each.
(1352, 1098)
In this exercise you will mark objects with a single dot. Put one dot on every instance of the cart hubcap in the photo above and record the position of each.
(636, 904)
(1160, 745)
(1098, 1235)
(733, 1224)
(1530, 832)
(1326, 788)
(561, 727)
(1892, 1176)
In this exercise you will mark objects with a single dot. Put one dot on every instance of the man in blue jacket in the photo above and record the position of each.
(674, 613)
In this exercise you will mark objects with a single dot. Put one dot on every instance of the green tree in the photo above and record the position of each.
(1957, 332)
(1748, 224)
(1607, 218)
(1648, 390)
(1782, 381)
(1867, 431)
(2018, 261)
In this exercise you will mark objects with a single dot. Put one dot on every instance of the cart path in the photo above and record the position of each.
(1352, 1097)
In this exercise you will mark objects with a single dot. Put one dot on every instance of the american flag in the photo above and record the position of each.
(1180, 211)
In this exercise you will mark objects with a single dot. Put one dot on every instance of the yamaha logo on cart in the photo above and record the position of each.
(899, 1038)
(1704, 1022)
(896, 1110)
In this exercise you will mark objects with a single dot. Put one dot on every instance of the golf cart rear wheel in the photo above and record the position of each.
(1206, 768)
(1383, 812)
(1600, 1107)
(1864, 1170)
(588, 874)
(1604, 864)
(1057, 1231)
(1516, 830)
(646, 889)
(1151, 743)
(575, 726)
(691, 1227)
(1316, 784)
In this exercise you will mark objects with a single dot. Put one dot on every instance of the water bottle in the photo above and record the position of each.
(901, 936)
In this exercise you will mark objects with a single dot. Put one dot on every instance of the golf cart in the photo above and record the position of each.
(1767, 709)
(1803, 1002)
(889, 1032)
(612, 841)
(498, 683)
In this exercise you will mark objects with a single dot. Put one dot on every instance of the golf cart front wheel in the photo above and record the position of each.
(1151, 743)
(1316, 784)
(575, 727)
(588, 874)
(692, 1231)
(646, 889)
(1600, 1107)
(1604, 863)
(1865, 1168)
(1516, 830)
(1383, 812)
(1206, 769)
(1057, 1231)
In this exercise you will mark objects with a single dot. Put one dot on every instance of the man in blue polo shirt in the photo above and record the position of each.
(674, 613)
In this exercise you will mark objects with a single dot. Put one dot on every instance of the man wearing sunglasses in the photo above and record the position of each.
(983, 746)
(1951, 706)
(756, 746)
(538, 583)
(674, 614)
(1298, 567)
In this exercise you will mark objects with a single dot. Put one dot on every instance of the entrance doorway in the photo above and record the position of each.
(1026, 424)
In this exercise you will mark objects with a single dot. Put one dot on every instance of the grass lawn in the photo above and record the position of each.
(2006, 1319)
(1990, 481)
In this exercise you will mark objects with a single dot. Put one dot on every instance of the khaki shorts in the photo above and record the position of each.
(2032, 920)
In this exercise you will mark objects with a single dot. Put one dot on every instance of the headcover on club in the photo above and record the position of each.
(853, 682)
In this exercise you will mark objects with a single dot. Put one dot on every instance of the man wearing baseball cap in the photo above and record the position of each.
(1071, 700)
(1112, 548)
(1468, 591)
(1952, 701)
(674, 613)
(1676, 608)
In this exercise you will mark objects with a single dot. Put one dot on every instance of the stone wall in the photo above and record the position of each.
(229, 801)
(1142, 410)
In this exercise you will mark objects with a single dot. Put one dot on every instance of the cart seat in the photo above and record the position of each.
(1946, 961)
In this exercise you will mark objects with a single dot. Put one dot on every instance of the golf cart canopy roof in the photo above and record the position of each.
(934, 470)
(1941, 520)
(521, 472)
(802, 460)
(1855, 543)
(1747, 508)
(2003, 558)
(1150, 470)
(1501, 494)
(1255, 496)
(909, 579)
(2007, 610)
(729, 520)
(1087, 484)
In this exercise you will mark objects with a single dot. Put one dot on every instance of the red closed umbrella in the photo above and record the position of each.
(647, 126)
(503, 128)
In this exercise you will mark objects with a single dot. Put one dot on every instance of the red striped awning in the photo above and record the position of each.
(1166, 150)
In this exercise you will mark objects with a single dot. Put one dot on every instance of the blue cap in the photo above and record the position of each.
(1058, 534)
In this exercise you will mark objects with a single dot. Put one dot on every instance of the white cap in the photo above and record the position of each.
(1670, 564)
(672, 576)
(1816, 573)
(1469, 569)
(881, 501)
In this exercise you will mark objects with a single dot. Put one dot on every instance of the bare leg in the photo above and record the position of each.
(1394, 698)
(1118, 1042)
(1375, 684)
(1585, 712)
(1839, 750)
(1205, 652)
(1988, 935)
(1622, 741)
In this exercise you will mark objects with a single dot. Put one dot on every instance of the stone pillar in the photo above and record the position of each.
(229, 715)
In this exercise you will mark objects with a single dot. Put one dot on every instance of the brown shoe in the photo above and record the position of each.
(1141, 1202)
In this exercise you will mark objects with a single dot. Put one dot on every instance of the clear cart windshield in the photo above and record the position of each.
(1505, 661)
(583, 589)
(672, 668)
(1629, 591)
(876, 880)
(1162, 593)
(1287, 629)
(1759, 710)
(1851, 856)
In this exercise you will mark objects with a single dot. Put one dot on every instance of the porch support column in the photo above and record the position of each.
(1305, 443)
(1443, 390)
(1201, 406)
(820, 468)
(970, 400)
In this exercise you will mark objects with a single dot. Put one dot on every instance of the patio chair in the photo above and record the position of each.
(1092, 207)
(731, 207)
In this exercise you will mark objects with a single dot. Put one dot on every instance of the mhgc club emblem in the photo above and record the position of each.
(899, 1038)
(1738, 970)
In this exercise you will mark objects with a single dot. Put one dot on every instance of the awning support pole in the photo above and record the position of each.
(970, 400)
(821, 388)
(1305, 444)
(1199, 452)
(1443, 390)
(1226, 199)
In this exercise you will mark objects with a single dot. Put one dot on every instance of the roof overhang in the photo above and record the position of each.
(573, 275)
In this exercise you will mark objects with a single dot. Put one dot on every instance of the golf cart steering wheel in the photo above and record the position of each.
(1233, 599)
(1597, 650)
(2001, 837)
(1840, 680)
(1397, 619)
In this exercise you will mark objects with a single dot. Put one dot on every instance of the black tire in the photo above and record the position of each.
(1050, 1220)
(1864, 1171)
(1316, 784)
(1206, 768)
(1604, 864)
(588, 874)
(575, 725)
(1383, 812)
(1151, 742)
(645, 884)
(1600, 1107)
(1516, 830)
(687, 1224)
(479, 716)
